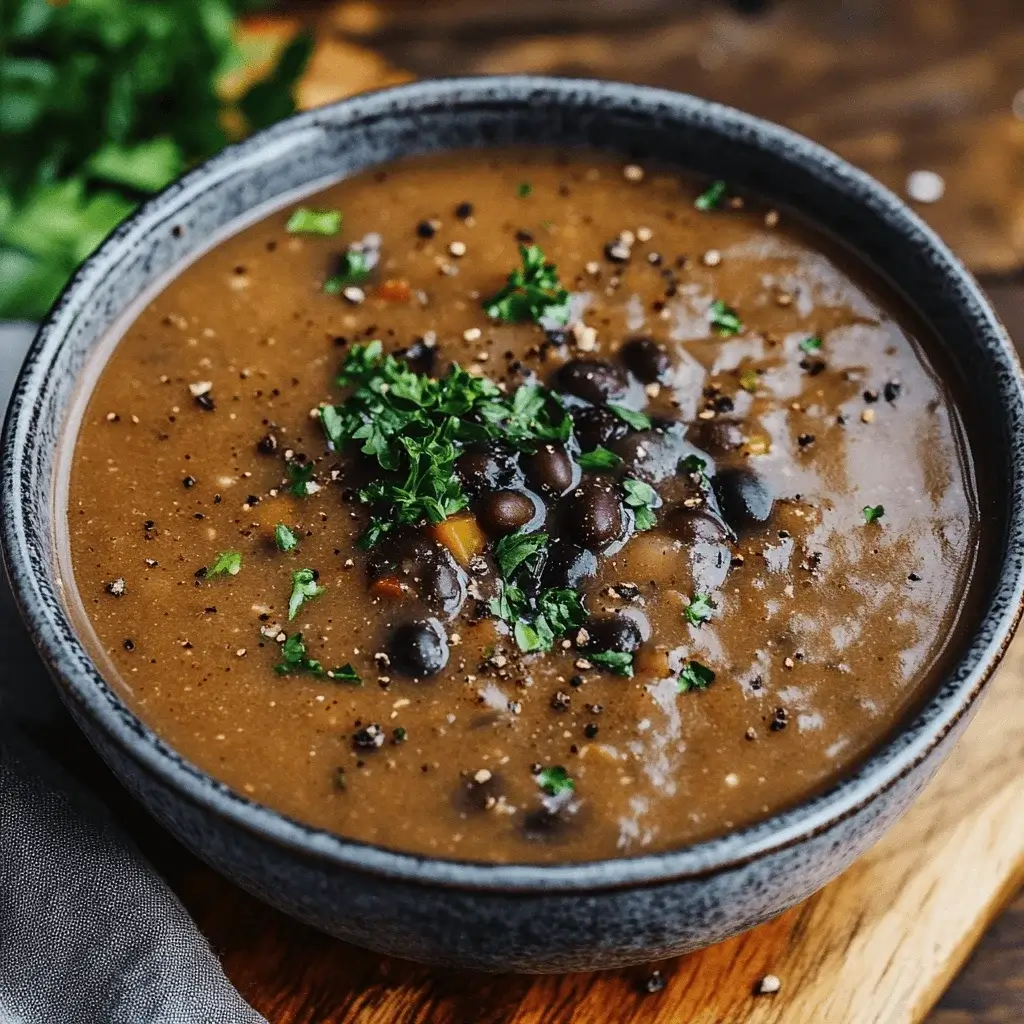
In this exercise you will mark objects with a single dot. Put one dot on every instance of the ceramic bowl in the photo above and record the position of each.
(508, 916)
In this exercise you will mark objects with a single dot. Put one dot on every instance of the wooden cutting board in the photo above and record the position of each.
(877, 946)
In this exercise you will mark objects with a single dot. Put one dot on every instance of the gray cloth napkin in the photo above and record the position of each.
(89, 932)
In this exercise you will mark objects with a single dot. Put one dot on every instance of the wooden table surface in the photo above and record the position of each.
(893, 85)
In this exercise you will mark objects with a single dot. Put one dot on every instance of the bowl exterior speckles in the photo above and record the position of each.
(509, 917)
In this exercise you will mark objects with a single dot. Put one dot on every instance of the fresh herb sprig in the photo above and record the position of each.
(415, 427)
(694, 676)
(699, 610)
(295, 660)
(103, 103)
(642, 498)
(227, 563)
(555, 780)
(712, 197)
(532, 293)
(304, 588)
(619, 662)
(724, 320)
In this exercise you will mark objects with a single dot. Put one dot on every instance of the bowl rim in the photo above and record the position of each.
(82, 684)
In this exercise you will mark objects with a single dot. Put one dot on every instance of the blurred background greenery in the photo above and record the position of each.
(103, 102)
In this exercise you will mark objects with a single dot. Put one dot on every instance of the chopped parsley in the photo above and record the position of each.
(353, 268)
(811, 344)
(524, 189)
(227, 563)
(642, 498)
(305, 221)
(284, 538)
(304, 588)
(724, 319)
(532, 293)
(415, 426)
(637, 420)
(535, 624)
(295, 660)
(711, 198)
(345, 674)
(694, 676)
(599, 458)
(872, 513)
(516, 548)
(699, 610)
(555, 780)
(619, 662)
(300, 478)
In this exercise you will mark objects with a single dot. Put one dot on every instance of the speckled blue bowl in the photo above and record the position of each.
(508, 917)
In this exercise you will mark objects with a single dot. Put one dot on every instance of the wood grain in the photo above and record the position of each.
(916, 83)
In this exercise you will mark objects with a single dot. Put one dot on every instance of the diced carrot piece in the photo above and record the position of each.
(388, 586)
(394, 290)
(462, 536)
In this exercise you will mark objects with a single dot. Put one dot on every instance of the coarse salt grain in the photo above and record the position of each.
(633, 172)
(472, 334)
(769, 985)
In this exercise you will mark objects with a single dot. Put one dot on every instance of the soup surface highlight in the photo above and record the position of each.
(519, 507)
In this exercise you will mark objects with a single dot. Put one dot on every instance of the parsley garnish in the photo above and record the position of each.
(345, 674)
(711, 198)
(414, 426)
(305, 221)
(872, 513)
(532, 292)
(300, 478)
(724, 319)
(523, 189)
(304, 588)
(637, 420)
(516, 548)
(619, 662)
(104, 103)
(227, 563)
(353, 268)
(295, 659)
(599, 458)
(555, 780)
(642, 498)
(555, 612)
(699, 610)
(285, 538)
(694, 676)
(811, 344)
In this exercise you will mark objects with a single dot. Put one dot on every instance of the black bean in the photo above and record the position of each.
(595, 516)
(613, 633)
(568, 565)
(418, 649)
(716, 436)
(696, 526)
(425, 229)
(651, 455)
(646, 360)
(464, 210)
(593, 380)
(426, 566)
(502, 512)
(597, 426)
(550, 470)
(743, 497)
(490, 468)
